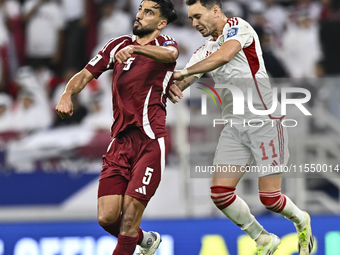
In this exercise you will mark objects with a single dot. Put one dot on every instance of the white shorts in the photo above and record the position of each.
(267, 143)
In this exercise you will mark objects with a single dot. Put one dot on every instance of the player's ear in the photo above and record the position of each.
(162, 23)
(216, 10)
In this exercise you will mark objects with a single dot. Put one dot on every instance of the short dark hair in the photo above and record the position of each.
(166, 8)
(206, 3)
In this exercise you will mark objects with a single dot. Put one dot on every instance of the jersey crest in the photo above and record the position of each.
(168, 43)
(232, 32)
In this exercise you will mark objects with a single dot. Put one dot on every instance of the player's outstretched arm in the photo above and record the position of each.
(164, 54)
(176, 88)
(226, 53)
(74, 86)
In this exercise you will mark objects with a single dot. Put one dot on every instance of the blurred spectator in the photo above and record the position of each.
(277, 16)
(330, 37)
(233, 9)
(46, 78)
(5, 112)
(4, 70)
(301, 47)
(256, 17)
(113, 22)
(132, 6)
(32, 111)
(274, 66)
(44, 28)
(321, 99)
(98, 118)
(313, 8)
(11, 41)
(101, 91)
(76, 13)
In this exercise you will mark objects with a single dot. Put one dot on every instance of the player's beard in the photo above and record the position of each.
(140, 32)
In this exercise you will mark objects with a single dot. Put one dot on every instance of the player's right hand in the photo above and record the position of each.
(175, 93)
(65, 106)
(124, 54)
(178, 75)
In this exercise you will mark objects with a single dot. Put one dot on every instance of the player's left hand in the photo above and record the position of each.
(175, 93)
(124, 54)
(178, 75)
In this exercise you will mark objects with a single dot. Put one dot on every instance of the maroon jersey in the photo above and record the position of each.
(139, 88)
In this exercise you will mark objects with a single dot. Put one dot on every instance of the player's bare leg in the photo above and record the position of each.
(132, 211)
(110, 218)
(222, 194)
(109, 210)
(271, 197)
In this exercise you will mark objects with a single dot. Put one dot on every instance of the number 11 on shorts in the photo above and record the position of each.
(147, 176)
(271, 144)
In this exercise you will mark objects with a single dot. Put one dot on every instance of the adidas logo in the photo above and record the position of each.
(274, 163)
(141, 190)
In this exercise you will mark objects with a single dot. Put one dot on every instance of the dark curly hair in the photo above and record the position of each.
(166, 8)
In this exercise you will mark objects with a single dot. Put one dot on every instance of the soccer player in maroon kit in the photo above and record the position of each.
(143, 66)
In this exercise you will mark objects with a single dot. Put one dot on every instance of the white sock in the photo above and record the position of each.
(148, 239)
(292, 212)
(239, 213)
(263, 239)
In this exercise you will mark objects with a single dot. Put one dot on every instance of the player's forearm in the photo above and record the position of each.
(77, 83)
(185, 83)
(219, 58)
(159, 53)
(208, 64)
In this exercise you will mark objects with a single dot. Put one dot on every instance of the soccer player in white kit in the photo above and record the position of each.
(232, 54)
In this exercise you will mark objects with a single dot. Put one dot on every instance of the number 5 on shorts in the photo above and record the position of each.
(147, 176)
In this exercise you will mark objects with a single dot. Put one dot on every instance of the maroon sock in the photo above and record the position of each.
(140, 236)
(126, 245)
(114, 228)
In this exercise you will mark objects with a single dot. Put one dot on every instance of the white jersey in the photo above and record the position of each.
(246, 71)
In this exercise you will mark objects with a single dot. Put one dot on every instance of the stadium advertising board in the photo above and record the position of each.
(189, 237)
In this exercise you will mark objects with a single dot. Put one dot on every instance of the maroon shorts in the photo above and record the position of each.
(133, 165)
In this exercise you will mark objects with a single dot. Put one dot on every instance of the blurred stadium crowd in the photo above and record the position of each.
(43, 43)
